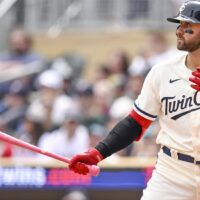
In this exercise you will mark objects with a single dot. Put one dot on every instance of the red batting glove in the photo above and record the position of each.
(195, 79)
(79, 162)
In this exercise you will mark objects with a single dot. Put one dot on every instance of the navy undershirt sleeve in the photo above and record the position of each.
(123, 134)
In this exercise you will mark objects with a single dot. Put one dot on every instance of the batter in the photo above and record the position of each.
(170, 94)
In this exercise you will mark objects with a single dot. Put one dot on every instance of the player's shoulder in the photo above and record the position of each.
(166, 67)
(170, 63)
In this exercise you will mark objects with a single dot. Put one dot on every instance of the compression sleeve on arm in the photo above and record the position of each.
(123, 134)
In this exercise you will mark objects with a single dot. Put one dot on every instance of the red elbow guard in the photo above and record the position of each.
(143, 122)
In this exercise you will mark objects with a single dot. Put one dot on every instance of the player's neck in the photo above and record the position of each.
(193, 60)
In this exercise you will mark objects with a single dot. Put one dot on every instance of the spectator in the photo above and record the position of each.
(118, 63)
(66, 71)
(100, 72)
(85, 98)
(51, 97)
(19, 57)
(119, 86)
(31, 130)
(95, 100)
(103, 98)
(72, 137)
(20, 48)
(13, 108)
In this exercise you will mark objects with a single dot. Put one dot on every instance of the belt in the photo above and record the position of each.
(180, 156)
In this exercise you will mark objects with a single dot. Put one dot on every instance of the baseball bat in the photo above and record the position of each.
(93, 169)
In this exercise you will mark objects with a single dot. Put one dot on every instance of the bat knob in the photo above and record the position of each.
(94, 170)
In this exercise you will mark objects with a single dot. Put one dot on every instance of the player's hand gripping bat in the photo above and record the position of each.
(195, 79)
(93, 169)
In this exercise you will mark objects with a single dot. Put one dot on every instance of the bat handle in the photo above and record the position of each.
(93, 170)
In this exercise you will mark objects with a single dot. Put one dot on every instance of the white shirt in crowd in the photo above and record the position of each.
(59, 142)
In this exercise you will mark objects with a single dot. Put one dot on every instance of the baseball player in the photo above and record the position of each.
(170, 94)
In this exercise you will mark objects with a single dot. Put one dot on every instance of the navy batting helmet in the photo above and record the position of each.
(189, 12)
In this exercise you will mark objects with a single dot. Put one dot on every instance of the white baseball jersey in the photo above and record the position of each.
(167, 95)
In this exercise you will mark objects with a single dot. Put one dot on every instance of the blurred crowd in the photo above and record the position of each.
(51, 104)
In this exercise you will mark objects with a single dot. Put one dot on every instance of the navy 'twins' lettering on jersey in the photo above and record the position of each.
(181, 106)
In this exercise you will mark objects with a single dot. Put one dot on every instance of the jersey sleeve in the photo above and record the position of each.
(148, 105)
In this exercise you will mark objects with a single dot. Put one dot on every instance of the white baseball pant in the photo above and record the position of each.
(173, 179)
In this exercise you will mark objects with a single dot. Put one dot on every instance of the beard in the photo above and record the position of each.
(188, 46)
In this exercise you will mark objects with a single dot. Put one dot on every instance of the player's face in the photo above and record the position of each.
(188, 41)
